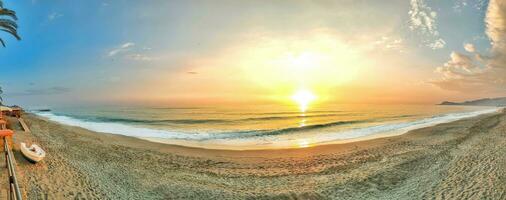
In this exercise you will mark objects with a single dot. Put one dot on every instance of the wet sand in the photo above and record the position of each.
(459, 160)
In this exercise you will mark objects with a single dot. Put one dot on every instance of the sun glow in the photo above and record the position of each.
(303, 97)
(273, 69)
(303, 143)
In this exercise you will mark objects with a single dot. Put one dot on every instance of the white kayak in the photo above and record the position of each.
(33, 153)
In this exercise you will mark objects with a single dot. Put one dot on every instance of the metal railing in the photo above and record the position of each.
(14, 191)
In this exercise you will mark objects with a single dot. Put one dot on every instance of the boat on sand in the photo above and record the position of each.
(33, 153)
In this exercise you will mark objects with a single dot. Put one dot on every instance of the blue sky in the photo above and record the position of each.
(101, 52)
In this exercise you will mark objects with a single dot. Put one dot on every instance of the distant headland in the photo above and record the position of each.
(500, 102)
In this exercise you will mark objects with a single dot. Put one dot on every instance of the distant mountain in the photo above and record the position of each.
(499, 102)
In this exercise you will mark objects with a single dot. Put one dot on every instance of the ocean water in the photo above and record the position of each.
(260, 127)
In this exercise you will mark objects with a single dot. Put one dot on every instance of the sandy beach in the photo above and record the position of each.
(459, 160)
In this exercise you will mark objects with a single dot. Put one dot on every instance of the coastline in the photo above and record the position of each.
(220, 141)
(420, 164)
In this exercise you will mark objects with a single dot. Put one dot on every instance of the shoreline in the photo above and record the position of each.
(215, 144)
(419, 164)
(198, 150)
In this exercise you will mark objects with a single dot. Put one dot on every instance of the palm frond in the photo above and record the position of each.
(7, 12)
(11, 31)
(9, 24)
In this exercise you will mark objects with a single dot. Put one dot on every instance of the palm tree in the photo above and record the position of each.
(8, 22)
(1, 100)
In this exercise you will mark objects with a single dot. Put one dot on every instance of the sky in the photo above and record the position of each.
(160, 52)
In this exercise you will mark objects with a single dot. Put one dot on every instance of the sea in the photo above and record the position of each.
(259, 127)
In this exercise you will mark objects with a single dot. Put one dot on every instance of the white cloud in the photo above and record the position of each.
(139, 57)
(127, 45)
(53, 16)
(422, 17)
(129, 51)
(123, 48)
(469, 47)
(496, 23)
(437, 44)
(480, 4)
(480, 73)
(459, 5)
(387, 43)
(423, 20)
(460, 65)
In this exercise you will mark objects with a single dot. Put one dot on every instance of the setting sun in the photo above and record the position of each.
(303, 97)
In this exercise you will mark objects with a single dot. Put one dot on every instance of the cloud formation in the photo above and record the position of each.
(423, 20)
(475, 72)
(388, 43)
(53, 16)
(139, 57)
(469, 48)
(460, 65)
(437, 44)
(129, 51)
(496, 25)
(459, 5)
(123, 48)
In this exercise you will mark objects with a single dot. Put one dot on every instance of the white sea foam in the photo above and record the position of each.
(236, 141)
(120, 129)
(400, 128)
